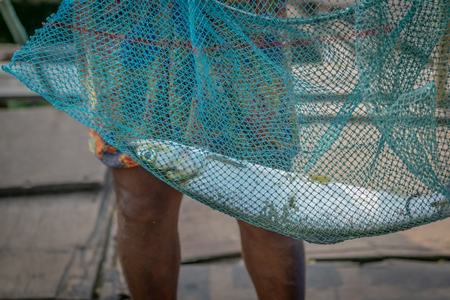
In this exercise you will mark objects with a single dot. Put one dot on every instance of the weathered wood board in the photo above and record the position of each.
(51, 246)
(43, 147)
(427, 241)
(388, 280)
(206, 233)
(11, 87)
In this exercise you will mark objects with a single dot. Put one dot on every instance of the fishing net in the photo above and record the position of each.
(321, 120)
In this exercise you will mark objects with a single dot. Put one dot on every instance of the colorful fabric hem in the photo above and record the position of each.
(109, 155)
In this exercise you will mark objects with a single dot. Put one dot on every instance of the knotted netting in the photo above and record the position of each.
(323, 120)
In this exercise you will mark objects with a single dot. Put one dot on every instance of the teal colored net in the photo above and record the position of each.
(321, 120)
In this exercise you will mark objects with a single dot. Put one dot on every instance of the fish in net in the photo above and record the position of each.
(320, 120)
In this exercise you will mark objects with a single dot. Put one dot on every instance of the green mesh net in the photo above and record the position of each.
(323, 120)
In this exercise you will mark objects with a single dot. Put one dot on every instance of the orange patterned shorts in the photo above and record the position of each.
(109, 155)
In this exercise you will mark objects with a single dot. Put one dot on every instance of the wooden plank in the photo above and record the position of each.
(427, 241)
(16, 92)
(206, 233)
(81, 274)
(112, 280)
(11, 87)
(386, 280)
(32, 274)
(7, 51)
(33, 140)
(40, 238)
(391, 279)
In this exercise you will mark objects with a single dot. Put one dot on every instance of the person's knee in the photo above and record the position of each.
(269, 239)
(258, 232)
(141, 197)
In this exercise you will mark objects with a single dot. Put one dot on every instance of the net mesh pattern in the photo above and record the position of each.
(321, 120)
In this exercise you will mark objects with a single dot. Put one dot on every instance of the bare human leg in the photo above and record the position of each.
(149, 247)
(276, 263)
(147, 238)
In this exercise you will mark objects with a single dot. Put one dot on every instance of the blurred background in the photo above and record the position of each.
(57, 224)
